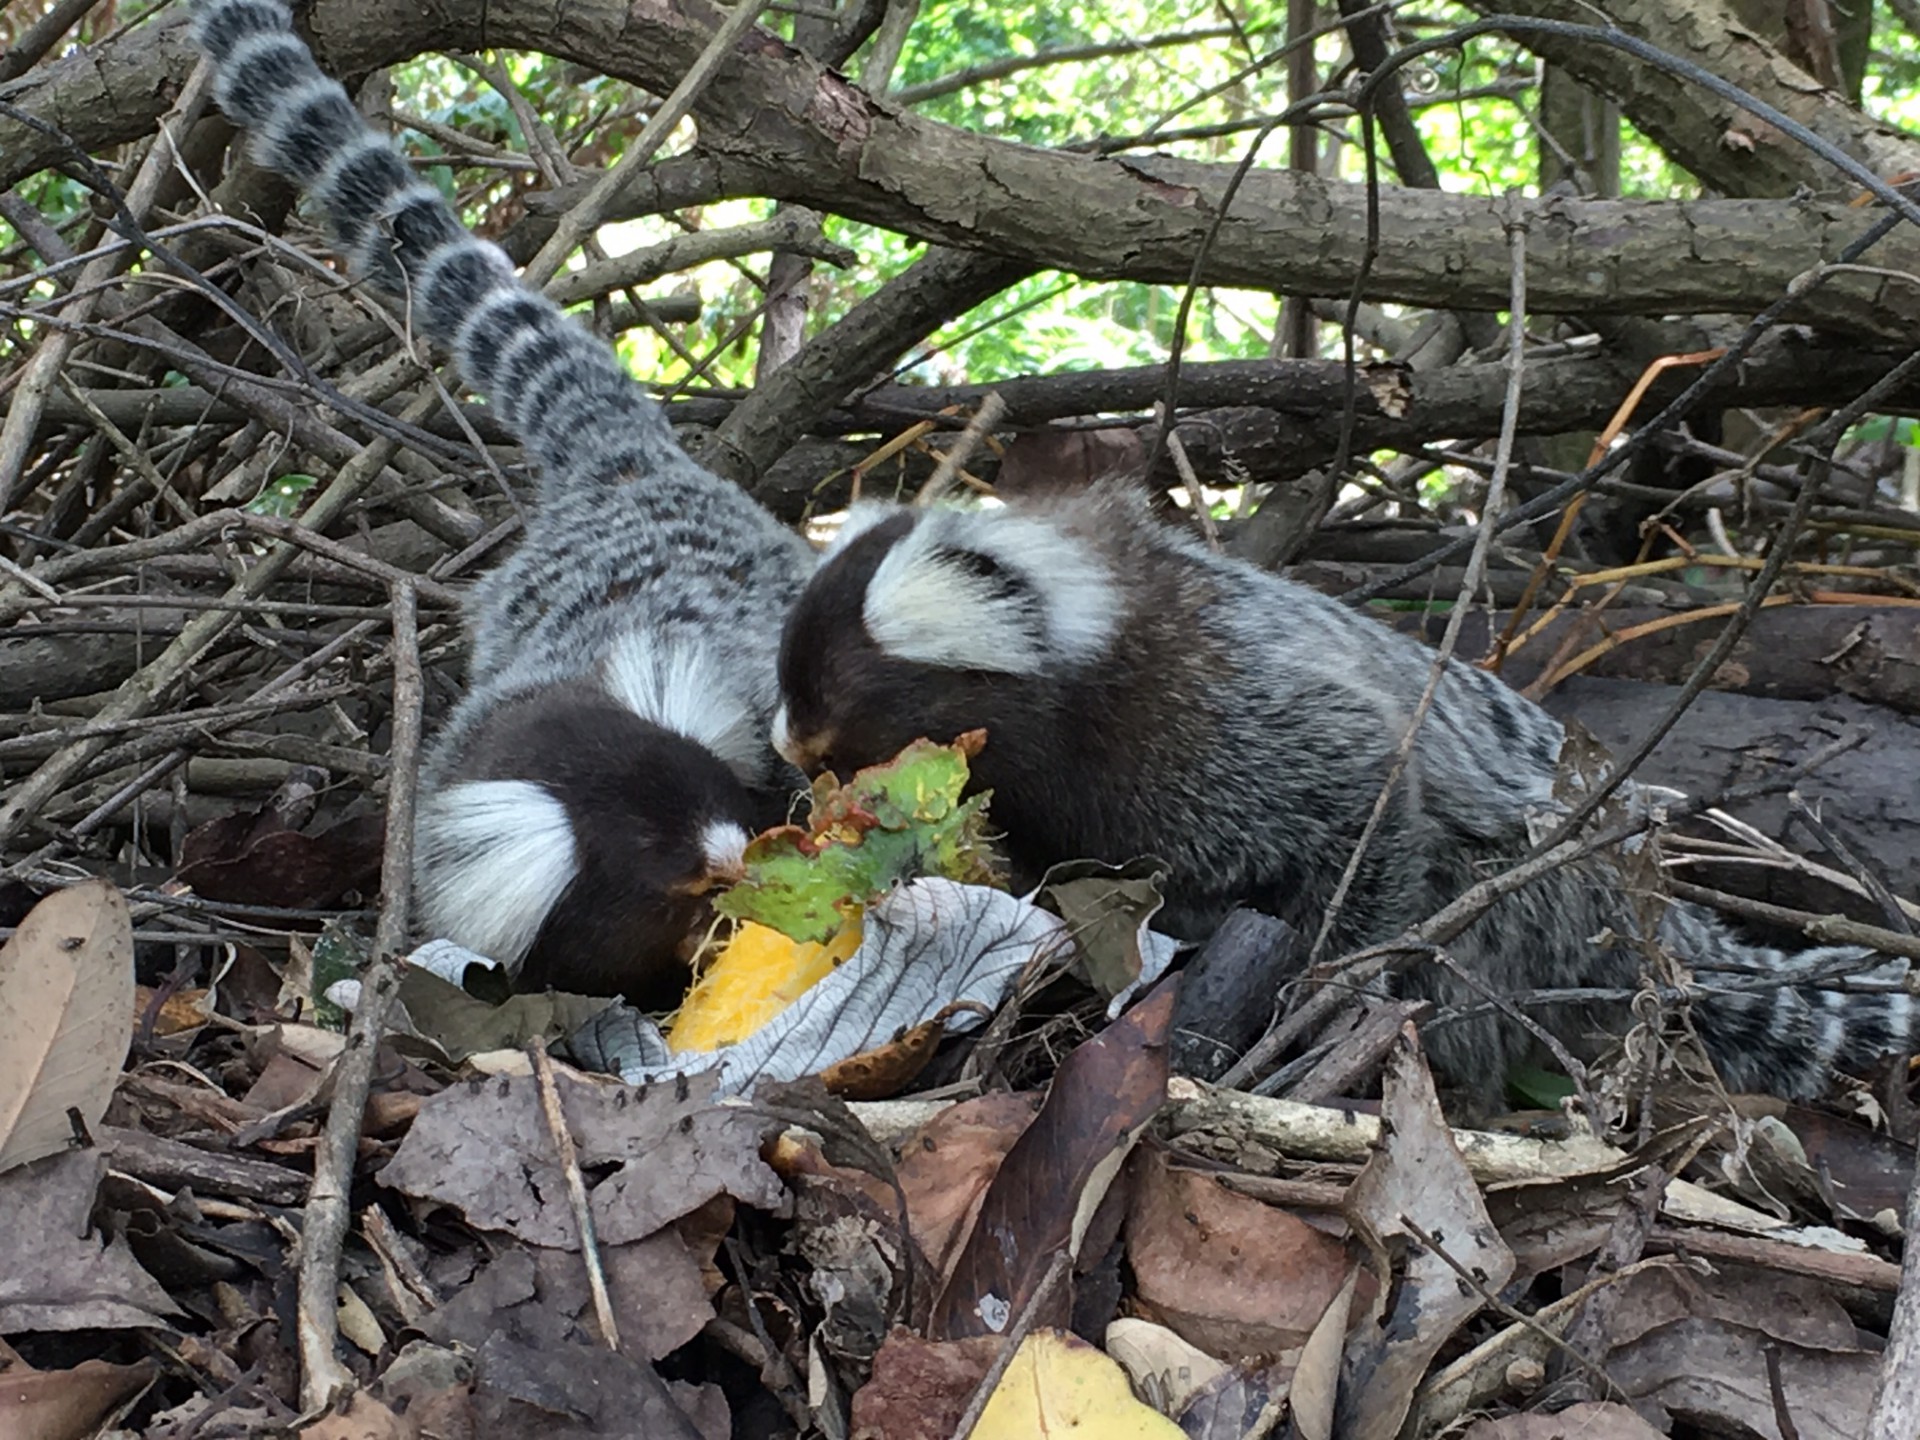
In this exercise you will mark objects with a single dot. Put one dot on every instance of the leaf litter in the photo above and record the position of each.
(1027, 1230)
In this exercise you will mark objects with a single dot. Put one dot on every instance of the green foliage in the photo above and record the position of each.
(1474, 107)
(282, 497)
(890, 823)
(1542, 1089)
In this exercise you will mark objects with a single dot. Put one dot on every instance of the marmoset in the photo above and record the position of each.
(610, 757)
(1142, 694)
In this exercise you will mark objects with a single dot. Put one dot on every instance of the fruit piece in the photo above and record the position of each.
(757, 975)
(889, 823)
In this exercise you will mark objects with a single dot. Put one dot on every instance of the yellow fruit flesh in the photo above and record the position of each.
(758, 974)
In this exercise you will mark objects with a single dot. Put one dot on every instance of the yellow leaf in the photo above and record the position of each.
(1060, 1385)
(759, 973)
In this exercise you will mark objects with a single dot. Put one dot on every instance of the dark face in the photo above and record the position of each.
(848, 704)
(658, 824)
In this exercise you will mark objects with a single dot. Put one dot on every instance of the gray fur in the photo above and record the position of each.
(640, 573)
(1240, 726)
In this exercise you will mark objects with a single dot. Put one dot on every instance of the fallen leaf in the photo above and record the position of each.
(756, 975)
(946, 1166)
(1588, 1420)
(1038, 1205)
(1696, 1346)
(1416, 1178)
(1244, 1402)
(929, 946)
(886, 1070)
(573, 1392)
(919, 1389)
(539, 1296)
(1316, 1379)
(1714, 1376)
(1159, 1362)
(180, 1012)
(1231, 1274)
(66, 1010)
(484, 1148)
(67, 1404)
(55, 1273)
(365, 1418)
(456, 1025)
(1108, 907)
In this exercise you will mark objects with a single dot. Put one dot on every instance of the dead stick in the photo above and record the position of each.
(322, 1237)
(944, 474)
(403, 772)
(576, 1191)
(1896, 1408)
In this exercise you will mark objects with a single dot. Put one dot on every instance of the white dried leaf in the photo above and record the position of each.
(927, 945)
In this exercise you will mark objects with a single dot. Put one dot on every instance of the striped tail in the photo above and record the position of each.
(560, 389)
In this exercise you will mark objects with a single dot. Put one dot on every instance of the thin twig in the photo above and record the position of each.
(586, 217)
(1469, 582)
(1822, 929)
(328, 1212)
(569, 1157)
(1183, 466)
(1010, 1345)
(948, 470)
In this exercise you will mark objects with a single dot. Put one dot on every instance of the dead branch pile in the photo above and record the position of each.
(238, 506)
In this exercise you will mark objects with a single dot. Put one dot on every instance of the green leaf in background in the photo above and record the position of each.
(1543, 1089)
(892, 822)
(340, 953)
(281, 498)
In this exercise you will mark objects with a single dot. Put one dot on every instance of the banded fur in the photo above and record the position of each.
(1144, 695)
(611, 753)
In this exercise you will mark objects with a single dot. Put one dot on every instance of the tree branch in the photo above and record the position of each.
(1727, 148)
(784, 127)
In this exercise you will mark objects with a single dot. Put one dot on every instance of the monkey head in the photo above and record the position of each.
(578, 844)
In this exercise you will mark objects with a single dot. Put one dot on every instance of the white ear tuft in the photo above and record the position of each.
(494, 858)
(723, 845)
(682, 688)
(862, 516)
(992, 590)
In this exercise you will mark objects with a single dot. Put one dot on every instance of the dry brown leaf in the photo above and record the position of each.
(55, 1272)
(66, 1008)
(365, 1418)
(1316, 1380)
(486, 1150)
(1159, 1362)
(67, 1404)
(1727, 1350)
(946, 1166)
(920, 1388)
(886, 1070)
(1050, 1186)
(1417, 1184)
(1231, 1274)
